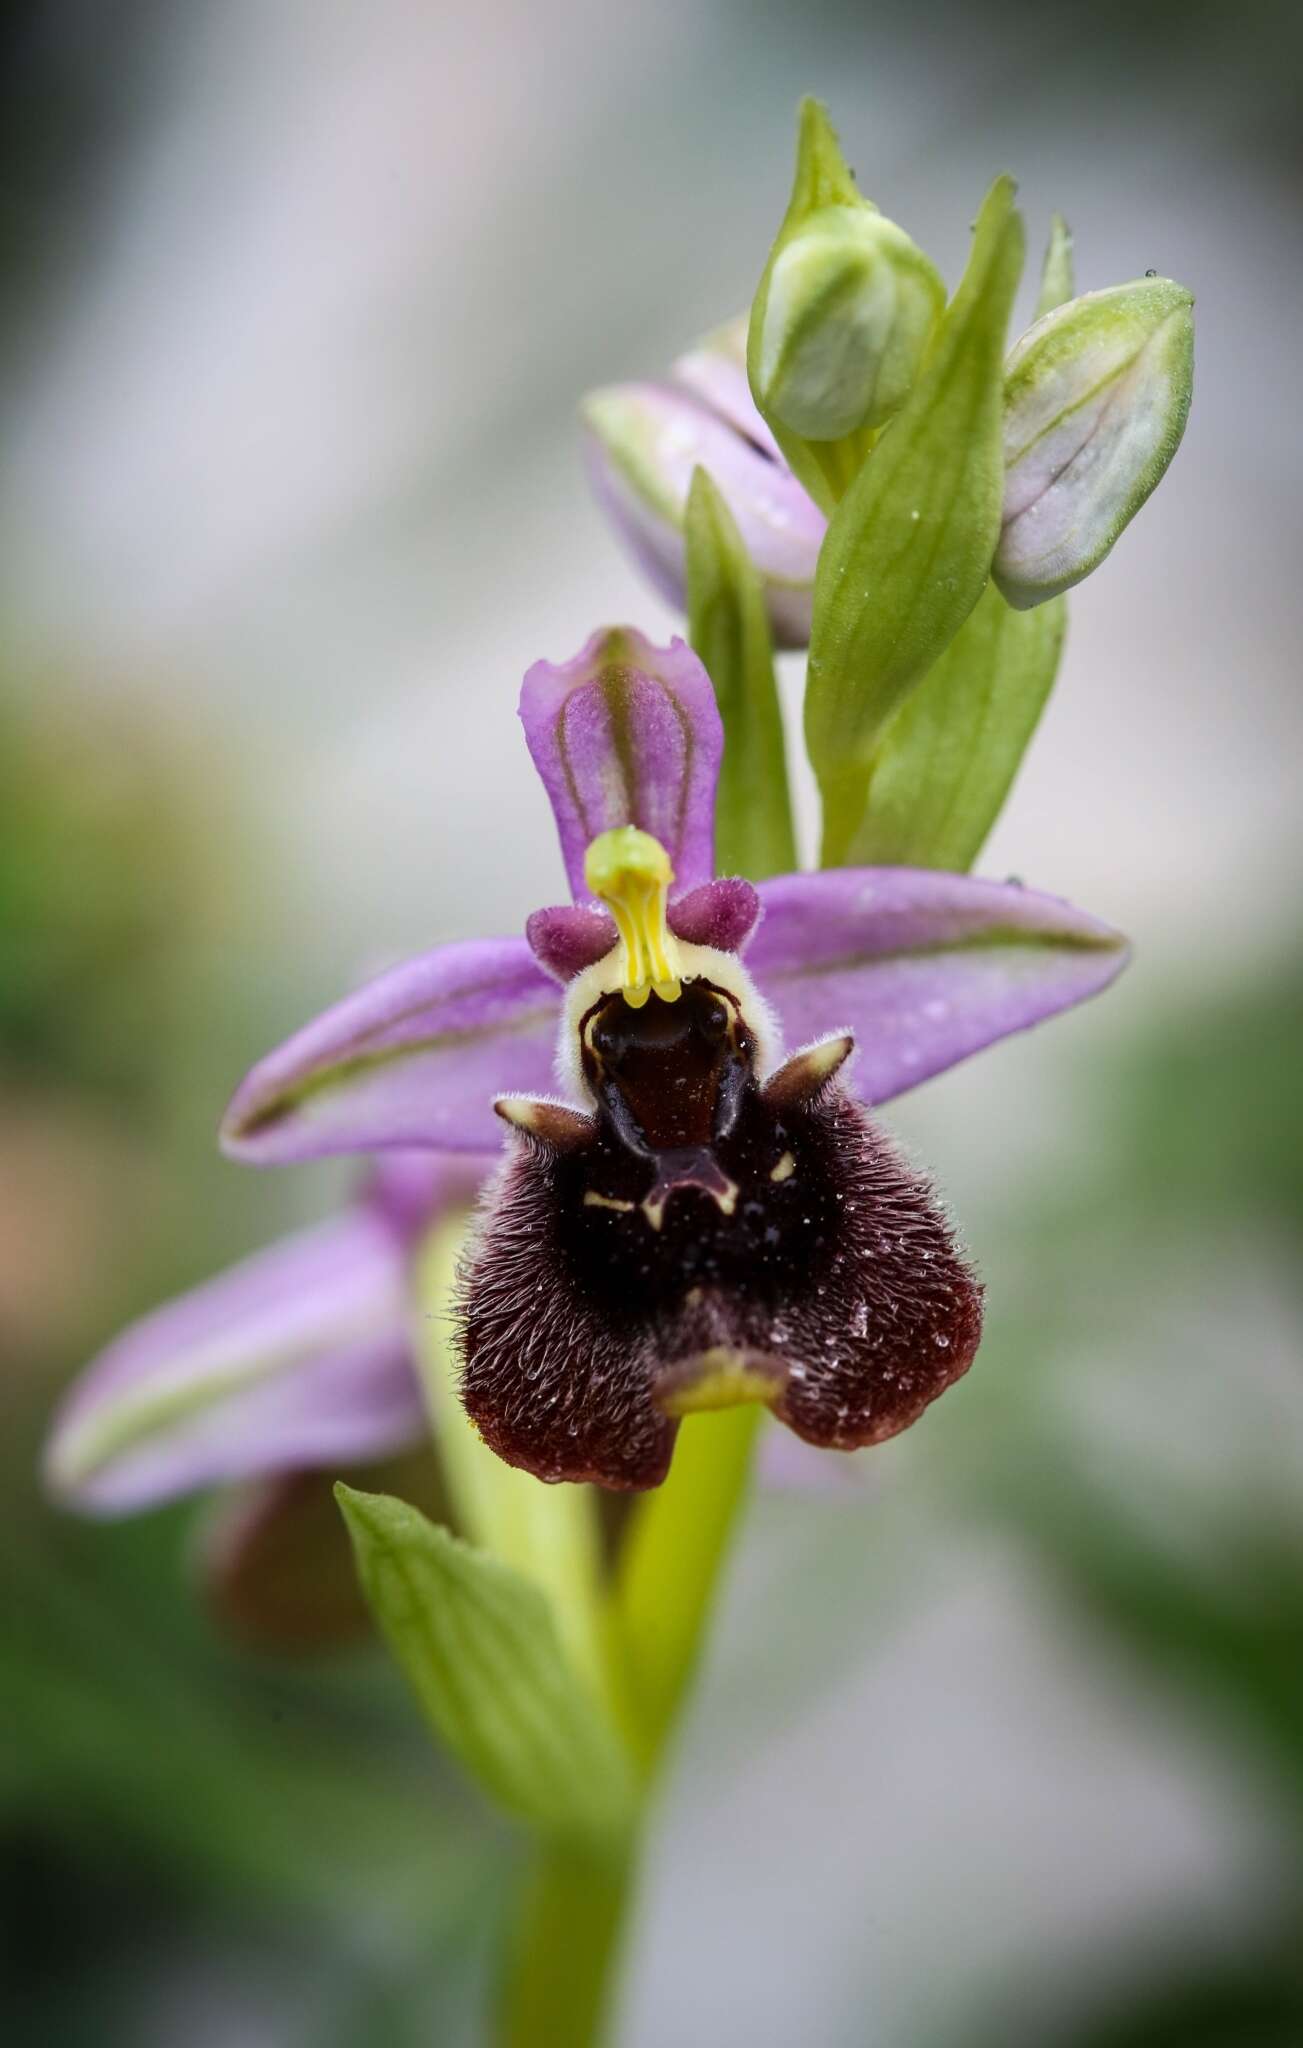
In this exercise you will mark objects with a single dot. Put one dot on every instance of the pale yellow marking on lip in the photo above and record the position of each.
(653, 1205)
(785, 1168)
(592, 1200)
(723, 1379)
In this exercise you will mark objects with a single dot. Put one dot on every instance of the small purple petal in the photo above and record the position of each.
(627, 734)
(296, 1357)
(569, 937)
(925, 968)
(413, 1059)
(722, 914)
(642, 444)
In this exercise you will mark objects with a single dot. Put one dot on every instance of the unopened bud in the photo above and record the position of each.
(841, 319)
(1095, 404)
(850, 308)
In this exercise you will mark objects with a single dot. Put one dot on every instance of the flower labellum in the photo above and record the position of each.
(1096, 398)
(706, 1231)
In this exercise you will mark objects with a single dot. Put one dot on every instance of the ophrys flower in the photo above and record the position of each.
(696, 1217)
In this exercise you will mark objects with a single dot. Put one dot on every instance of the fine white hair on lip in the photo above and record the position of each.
(696, 963)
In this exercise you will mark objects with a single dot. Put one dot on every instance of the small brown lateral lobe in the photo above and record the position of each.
(782, 1236)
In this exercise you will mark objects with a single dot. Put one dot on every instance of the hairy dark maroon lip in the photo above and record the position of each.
(704, 1237)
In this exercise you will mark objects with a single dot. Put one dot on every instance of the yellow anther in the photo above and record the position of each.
(631, 873)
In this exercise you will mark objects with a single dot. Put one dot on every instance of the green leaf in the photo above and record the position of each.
(480, 1648)
(1057, 280)
(547, 1533)
(841, 319)
(947, 760)
(909, 548)
(728, 626)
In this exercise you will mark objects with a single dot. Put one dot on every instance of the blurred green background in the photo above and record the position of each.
(1002, 1740)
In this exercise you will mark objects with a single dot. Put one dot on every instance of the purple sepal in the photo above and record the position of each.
(296, 1357)
(415, 1058)
(924, 967)
(722, 914)
(627, 734)
(569, 937)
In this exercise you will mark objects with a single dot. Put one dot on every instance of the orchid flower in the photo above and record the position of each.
(696, 1218)
(693, 1207)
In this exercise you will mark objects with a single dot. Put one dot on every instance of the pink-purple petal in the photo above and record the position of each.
(627, 734)
(722, 914)
(415, 1058)
(642, 444)
(924, 967)
(568, 937)
(297, 1356)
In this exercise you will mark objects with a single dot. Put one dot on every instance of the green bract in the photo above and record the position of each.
(841, 319)
(729, 628)
(949, 756)
(909, 548)
(1056, 271)
(1096, 400)
(479, 1646)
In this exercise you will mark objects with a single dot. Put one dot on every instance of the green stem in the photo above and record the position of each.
(669, 1572)
(844, 793)
(560, 1968)
(565, 1946)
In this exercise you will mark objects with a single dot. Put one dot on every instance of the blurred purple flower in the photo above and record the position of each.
(643, 442)
(295, 1359)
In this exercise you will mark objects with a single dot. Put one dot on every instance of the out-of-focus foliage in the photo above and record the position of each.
(101, 892)
(1176, 1544)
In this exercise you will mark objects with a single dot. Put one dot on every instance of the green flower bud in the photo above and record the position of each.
(850, 309)
(841, 320)
(1095, 403)
(908, 552)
